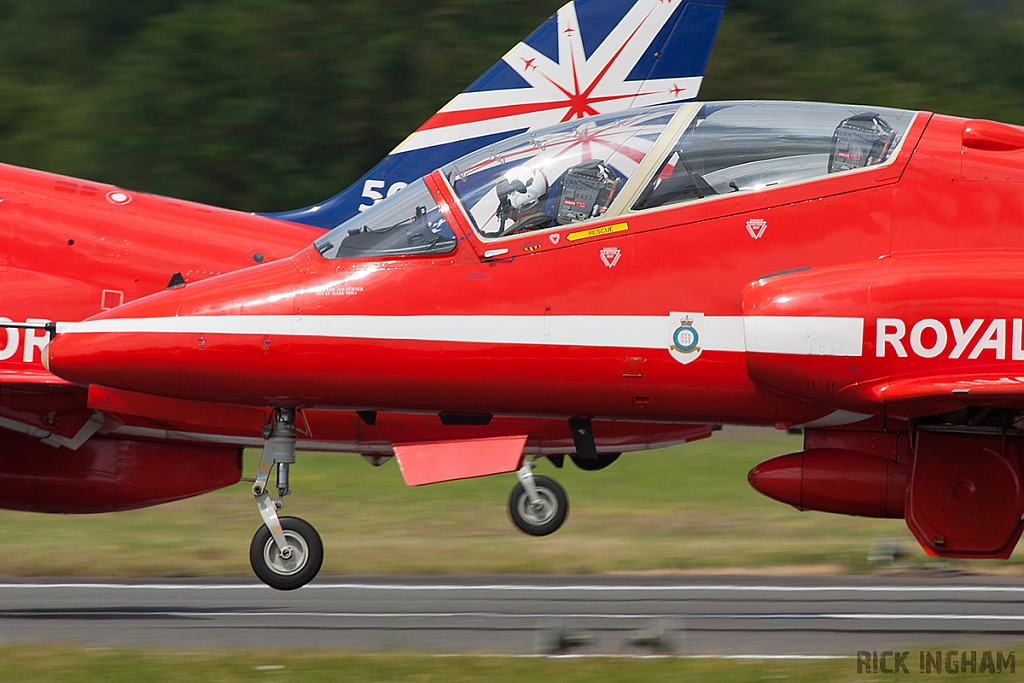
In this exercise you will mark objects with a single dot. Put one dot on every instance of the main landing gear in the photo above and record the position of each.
(286, 552)
(538, 505)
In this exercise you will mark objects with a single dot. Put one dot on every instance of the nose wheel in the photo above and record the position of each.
(286, 553)
(538, 505)
(297, 565)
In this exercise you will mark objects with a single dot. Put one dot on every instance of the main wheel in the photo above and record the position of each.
(544, 518)
(287, 574)
(594, 464)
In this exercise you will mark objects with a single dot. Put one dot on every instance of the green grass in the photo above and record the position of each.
(681, 509)
(60, 664)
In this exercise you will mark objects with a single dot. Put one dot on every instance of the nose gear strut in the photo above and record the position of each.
(286, 552)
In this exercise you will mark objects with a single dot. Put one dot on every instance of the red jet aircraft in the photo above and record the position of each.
(71, 450)
(853, 270)
(114, 246)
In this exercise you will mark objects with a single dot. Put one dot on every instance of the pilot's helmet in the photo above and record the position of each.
(526, 187)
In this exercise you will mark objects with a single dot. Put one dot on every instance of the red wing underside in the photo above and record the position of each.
(30, 381)
(920, 396)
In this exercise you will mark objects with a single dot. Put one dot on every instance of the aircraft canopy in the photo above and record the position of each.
(616, 164)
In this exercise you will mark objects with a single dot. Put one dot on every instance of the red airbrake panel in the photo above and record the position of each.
(430, 463)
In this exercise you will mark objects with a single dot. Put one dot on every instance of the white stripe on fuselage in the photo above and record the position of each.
(799, 336)
(809, 335)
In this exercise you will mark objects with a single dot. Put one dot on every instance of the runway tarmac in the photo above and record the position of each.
(691, 615)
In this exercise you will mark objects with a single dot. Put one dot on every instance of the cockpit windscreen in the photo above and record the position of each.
(407, 223)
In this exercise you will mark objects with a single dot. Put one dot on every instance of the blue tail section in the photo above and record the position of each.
(591, 57)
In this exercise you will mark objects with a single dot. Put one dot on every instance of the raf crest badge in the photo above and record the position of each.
(686, 332)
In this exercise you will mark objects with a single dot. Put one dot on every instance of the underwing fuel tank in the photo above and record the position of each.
(962, 495)
(834, 480)
(109, 474)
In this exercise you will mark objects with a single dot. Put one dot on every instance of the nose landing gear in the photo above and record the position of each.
(294, 567)
(286, 553)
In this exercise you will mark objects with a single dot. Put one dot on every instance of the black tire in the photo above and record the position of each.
(287, 575)
(539, 522)
(594, 464)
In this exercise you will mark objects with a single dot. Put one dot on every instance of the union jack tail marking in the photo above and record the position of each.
(591, 57)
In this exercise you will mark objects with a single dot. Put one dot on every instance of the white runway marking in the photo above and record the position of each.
(486, 655)
(529, 588)
(509, 615)
(450, 614)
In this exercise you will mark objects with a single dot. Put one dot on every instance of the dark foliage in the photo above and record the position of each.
(273, 104)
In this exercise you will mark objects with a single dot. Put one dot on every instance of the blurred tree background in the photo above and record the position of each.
(266, 105)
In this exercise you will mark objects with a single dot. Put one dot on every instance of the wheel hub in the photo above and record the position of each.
(291, 560)
(540, 512)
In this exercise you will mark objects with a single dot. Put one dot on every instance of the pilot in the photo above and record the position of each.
(522, 192)
(529, 188)
(582, 192)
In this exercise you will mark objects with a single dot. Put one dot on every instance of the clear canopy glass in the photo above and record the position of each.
(743, 146)
(627, 161)
(408, 222)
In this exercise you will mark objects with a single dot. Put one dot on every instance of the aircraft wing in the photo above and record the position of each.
(31, 381)
(937, 394)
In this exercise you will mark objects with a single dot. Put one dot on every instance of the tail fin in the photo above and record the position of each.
(592, 56)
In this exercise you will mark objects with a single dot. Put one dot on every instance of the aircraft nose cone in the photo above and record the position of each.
(99, 351)
(780, 478)
(211, 340)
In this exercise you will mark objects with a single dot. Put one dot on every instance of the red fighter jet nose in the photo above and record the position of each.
(108, 350)
(780, 479)
(178, 343)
